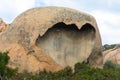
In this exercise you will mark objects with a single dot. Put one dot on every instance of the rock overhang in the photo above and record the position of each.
(44, 18)
(29, 29)
(66, 42)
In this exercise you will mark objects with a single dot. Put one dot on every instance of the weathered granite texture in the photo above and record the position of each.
(3, 26)
(52, 38)
(112, 55)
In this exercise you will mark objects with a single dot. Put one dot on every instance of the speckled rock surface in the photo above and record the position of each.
(3, 26)
(52, 38)
(112, 55)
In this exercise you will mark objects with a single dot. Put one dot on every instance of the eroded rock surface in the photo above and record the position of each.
(52, 38)
(3, 26)
(112, 55)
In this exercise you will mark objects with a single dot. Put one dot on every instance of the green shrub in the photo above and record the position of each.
(5, 72)
(82, 71)
(63, 74)
(112, 66)
(106, 46)
(3, 62)
(79, 67)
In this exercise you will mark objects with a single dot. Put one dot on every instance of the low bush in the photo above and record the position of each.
(82, 71)
(112, 66)
(107, 46)
(5, 72)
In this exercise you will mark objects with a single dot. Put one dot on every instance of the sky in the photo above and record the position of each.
(106, 13)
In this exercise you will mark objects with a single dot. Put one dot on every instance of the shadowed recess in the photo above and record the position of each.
(67, 44)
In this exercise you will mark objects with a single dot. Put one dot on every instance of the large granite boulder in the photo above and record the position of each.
(52, 38)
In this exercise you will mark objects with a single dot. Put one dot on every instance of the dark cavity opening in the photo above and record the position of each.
(66, 44)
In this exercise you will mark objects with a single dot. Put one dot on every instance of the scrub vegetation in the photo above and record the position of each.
(81, 71)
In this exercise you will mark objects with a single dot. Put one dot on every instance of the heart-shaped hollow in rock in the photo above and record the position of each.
(52, 38)
(66, 43)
